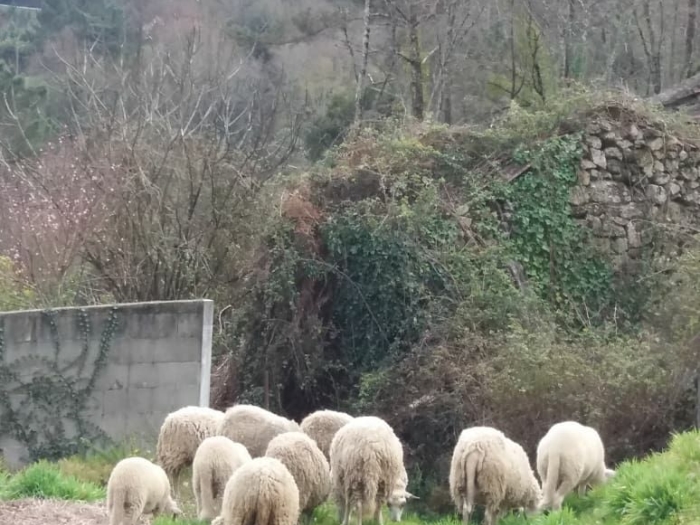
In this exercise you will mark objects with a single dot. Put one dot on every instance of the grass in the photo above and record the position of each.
(45, 480)
(661, 489)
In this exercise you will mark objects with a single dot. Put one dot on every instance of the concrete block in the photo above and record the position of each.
(139, 401)
(144, 375)
(178, 373)
(172, 397)
(115, 402)
(113, 377)
(142, 427)
(120, 351)
(114, 425)
(151, 326)
(14, 454)
(190, 325)
(19, 328)
(177, 350)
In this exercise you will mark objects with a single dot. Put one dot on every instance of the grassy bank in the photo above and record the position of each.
(661, 489)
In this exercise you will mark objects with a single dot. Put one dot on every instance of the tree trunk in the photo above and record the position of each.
(363, 69)
(416, 65)
(690, 37)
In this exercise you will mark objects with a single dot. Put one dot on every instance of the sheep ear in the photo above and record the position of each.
(411, 496)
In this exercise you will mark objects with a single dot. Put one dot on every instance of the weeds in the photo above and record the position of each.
(44, 480)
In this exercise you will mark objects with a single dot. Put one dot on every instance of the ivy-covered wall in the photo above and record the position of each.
(70, 377)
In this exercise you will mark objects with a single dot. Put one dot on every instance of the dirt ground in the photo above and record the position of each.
(52, 512)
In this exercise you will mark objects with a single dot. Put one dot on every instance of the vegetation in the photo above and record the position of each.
(378, 205)
(45, 480)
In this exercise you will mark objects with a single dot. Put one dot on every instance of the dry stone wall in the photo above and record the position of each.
(638, 188)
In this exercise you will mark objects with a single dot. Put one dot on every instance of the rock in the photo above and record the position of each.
(656, 144)
(661, 178)
(634, 239)
(584, 178)
(630, 211)
(688, 174)
(579, 196)
(633, 133)
(594, 142)
(671, 166)
(613, 153)
(683, 156)
(598, 158)
(645, 158)
(587, 164)
(657, 194)
(605, 192)
(674, 189)
(625, 144)
(619, 245)
(614, 166)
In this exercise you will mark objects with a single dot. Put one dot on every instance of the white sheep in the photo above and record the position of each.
(261, 492)
(491, 470)
(570, 456)
(367, 470)
(322, 425)
(311, 471)
(216, 459)
(181, 434)
(254, 427)
(135, 487)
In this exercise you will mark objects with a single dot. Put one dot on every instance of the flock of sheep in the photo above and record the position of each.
(253, 467)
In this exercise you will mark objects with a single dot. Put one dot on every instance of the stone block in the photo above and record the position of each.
(114, 425)
(176, 396)
(19, 328)
(113, 377)
(180, 350)
(151, 326)
(142, 427)
(178, 373)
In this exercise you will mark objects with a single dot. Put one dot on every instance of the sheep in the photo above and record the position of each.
(181, 433)
(216, 459)
(367, 470)
(254, 427)
(570, 456)
(490, 469)
(322, 425)
(135, 487)
(311, 471)
(261, 492)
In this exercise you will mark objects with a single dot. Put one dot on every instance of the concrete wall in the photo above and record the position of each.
(158, 359)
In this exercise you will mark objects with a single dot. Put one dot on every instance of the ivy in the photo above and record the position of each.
(546, 238)
(47, 412)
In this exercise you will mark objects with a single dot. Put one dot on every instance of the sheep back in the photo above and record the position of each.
(216, 459)
(311, 471)
(181, 433)
(490, 469)
(262, 491)
(569, 456)
(254, 427)
(322, 426)
(135, 487)
(366, 464)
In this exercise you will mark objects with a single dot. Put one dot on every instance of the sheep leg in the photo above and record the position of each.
(582, 489)
(378, 517)
(344, 508)
(561, 492)
(491, 516)
(466, 511)
(359, 513)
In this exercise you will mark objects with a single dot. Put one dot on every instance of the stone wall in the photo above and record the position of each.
(636, 181)
(72, 375)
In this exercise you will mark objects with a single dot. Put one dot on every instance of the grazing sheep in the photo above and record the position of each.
(367, 470)
(302, 457)
(181, 433)
(494, 471)
(216, 459)
(261, 492)
(322, 425)
(570, 456)
(254, 427)
(135, 487)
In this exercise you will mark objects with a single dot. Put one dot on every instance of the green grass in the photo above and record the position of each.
(661, 489)
(45, 480)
